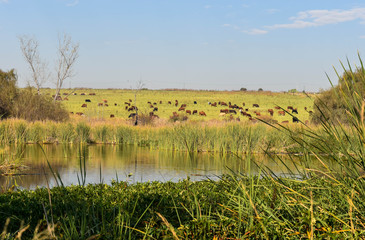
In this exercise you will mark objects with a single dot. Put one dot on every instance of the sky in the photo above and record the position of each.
(275, 45)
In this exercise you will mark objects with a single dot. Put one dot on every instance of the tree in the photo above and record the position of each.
(243, 89)
(260, 90)
(68, 52)
(29, 47)
(8, 92)
(332, 105)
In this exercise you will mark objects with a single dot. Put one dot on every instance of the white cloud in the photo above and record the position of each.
(272, 10)
(314, 18)
(208, 6)
(256, 31)
(4, 1)
(72, 3)
(226, 25)
(363, 37)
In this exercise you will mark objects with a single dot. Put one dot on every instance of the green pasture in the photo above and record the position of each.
(116, 102)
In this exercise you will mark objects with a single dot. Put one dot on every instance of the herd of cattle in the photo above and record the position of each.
(231, 109)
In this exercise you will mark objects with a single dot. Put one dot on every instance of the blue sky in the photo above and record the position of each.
(192, 44)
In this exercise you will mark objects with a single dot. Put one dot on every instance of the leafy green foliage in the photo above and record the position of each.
(8, 92)
(330, 105)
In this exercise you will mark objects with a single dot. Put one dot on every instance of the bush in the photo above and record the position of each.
(8, 92)
(331, 105)
(33, 107)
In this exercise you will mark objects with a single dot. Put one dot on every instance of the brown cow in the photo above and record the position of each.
(80, 113)
(277, 107)
(101, 104)
(84, 105)
(202, 113)
(243, 104)
(223, 104)
(284, 122)
(112, 115)
(169, 102)
(213, 104)
(257, 113)
(105, 101)
(82, 94)
(290, 107)
(271, 112)
(181, 109)
(188, 112)
(93, 94)
(255, 105)
(160, 102)
(281, 113)
(130, 100)
(224, 111)
(183, 105)
(65, 99)
(195, 112)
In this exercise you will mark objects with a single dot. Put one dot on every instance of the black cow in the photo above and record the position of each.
(87, 100)
(295, 119)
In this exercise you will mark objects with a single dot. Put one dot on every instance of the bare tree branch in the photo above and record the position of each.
(68, 52)
(29, 47)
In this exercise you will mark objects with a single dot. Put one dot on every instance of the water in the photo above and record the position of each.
(104, 163)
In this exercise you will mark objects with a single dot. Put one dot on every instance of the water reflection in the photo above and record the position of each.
(127, 163)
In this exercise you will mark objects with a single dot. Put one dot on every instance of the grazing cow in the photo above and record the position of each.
(65, 94)
(65, 99)
(257, 113)
(126, 107)
(112, 115)
(290, 108)
(213, 104)
(87, 100)
(195, 112)
(71, 112)
(176, 103)
(305, 108)
(232, 111)
(105, 101)
(82, 94)
(149, 102)
(151, 106)
(294, 111)
(295, 119)
(106, 105)
(127, 103)
(92, 94)
(281, 113)
(255, 105)
(183, 105)
(310, 112)
(160, 102)
(243, 104)
(74, 94)
(154, 103)
(101, 104)
(181, 109)
(277, 107)
(202, 113)
(80, 113)
(224, 111)
(285, 122)
(130, 100)
(155, 109)
(84, 105)
(115, 104)
(169, 102)
(188, 112)
(223, 104)
(132, 115)
(195, 102)
(271, 112)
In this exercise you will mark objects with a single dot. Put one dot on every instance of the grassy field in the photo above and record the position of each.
(116, 103)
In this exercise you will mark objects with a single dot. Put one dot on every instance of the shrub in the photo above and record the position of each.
(8, 92)
(331, 105)
(33, 107)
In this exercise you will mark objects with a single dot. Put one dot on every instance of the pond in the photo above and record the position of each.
(76, 164)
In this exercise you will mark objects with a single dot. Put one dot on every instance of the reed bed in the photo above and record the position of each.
(191, 136)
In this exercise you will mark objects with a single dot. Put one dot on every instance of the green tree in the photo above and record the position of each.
(8, 92)
(331, 105)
